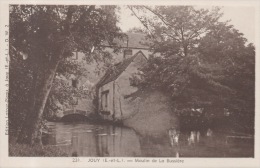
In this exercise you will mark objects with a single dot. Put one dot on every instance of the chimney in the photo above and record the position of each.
(128, 53)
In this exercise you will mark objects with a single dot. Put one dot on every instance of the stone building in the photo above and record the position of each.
(83, 104)
(127, 47)
(149, 112)
(114, 88)
(118, 100)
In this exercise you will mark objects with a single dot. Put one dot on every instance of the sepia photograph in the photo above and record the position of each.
(131, 81)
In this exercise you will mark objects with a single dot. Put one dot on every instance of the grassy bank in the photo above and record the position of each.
(19, 150)
(27, 151)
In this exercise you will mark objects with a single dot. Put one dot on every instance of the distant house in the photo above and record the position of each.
(128, 46)
(78, 104)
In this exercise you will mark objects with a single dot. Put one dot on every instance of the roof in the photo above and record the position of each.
(114, 72)
(135, 40)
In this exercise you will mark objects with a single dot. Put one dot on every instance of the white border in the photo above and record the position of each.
(6, 161)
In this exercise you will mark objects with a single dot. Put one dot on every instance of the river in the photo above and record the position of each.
(89, 140)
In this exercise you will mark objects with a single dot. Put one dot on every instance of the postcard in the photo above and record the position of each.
(129, 83)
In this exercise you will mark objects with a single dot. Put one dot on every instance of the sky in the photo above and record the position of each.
(242, 17)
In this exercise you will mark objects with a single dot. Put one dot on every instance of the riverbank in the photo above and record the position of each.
(24, 150)
(20, 150)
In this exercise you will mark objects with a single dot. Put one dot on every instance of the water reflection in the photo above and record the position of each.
(83, 139)
(174, 135)
(93, 140)
(194, 137)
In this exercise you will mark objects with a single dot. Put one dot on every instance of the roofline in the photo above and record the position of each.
(140, 51)
(98, 86)
(144, 55)
(140, 48)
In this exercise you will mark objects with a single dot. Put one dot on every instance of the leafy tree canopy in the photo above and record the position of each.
(200, 61)
(45, 36)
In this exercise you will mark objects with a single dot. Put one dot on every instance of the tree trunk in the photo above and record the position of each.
(31, 131)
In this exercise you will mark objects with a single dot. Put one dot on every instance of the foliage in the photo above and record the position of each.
(62, 93)
(20, 76)
(23, 150)
(136, 30)
(46, 36)
(201, 62)
(180, 27)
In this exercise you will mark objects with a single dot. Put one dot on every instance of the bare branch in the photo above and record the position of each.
(144, 24)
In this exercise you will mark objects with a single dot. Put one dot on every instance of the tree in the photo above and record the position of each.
(197, 59)
(62, 93)
(136, 30)
(225, 46)
(179, 26)
(48, 35)
(20, 76)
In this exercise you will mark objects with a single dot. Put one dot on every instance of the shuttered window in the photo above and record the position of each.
(104, 100)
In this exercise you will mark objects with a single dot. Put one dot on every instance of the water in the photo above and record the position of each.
(85, 139)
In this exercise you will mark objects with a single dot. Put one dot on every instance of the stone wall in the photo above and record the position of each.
(119, 90)
(148, 112)
(155, 114)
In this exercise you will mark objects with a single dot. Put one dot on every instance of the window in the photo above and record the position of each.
(74, 101)
(74, 83)
(75, 55)
(104, 100)
(128, 53)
